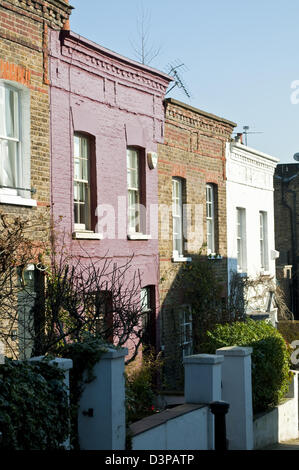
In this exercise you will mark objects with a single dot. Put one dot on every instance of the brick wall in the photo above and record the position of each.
(24, 29)
(286, 209)
(120, 104)
(23, 59)
(193, 149)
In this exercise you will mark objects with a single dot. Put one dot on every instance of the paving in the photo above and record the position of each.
(286, 445)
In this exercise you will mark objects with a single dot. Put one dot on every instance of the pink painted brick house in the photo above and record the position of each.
(107, 118)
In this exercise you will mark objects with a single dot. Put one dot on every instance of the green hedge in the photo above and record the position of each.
(34, 412)
(270, 358)
(289, 330)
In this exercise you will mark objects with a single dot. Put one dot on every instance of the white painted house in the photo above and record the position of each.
(250, 216)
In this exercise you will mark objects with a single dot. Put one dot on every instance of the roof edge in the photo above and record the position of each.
(115, 55)
(200, 111)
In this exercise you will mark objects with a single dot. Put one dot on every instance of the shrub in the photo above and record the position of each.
(34, 412)
(140, 390)
(289, 330)
(270, 358)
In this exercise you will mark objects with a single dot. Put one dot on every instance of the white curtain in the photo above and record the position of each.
(8, 160)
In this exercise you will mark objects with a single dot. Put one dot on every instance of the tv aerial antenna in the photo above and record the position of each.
(246, 132)
(172, 70)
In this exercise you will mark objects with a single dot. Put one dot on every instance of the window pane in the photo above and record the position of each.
(11, 113)
(77, 146)
(8, 163)
(133, 190)
(81, 181)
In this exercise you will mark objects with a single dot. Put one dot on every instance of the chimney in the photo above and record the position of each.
(239, 138)
(66, 25)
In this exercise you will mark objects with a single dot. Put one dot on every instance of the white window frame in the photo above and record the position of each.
(185, 325)
(145, 299)
(177, 217)
(241, 239)
(83, 182)
(133, 191)
(210, 218)
(16, 195)
(263, 238)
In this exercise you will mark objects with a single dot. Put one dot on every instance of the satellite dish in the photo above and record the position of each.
(296, 157)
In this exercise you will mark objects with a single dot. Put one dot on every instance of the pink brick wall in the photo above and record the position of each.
(120, 104)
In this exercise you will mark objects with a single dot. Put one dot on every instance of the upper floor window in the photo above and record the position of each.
(177, 216)
(134, 196)
(15, 179)
(81, 182)
(241, 239)
(210, 215)
(10, 143)
(263, 241)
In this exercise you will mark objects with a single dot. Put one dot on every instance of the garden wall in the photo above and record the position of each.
(279, 424)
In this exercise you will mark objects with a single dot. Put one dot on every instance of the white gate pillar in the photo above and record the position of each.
(101, 414)
(237, 391)
(203, 383)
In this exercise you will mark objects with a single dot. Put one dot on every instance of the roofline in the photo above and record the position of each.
(200, 111)
(115, 55)
(258, 153)
(63, 3)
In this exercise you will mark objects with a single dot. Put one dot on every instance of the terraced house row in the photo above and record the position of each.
(89, 141)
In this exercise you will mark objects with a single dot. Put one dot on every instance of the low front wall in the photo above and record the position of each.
(279, 424)
(184, 427)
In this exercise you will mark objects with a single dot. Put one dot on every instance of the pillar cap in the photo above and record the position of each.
(204, 359)
(62, 362)
(234, 351)
(114, 353)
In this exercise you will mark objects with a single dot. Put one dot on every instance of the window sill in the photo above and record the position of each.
(242, 273)
(138, 236)
(214, 256)
(17, 201)
(181, 259)
(265, 273)
(85, 235)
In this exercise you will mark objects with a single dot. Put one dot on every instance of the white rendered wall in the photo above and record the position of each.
(187, 432)
(249, 186)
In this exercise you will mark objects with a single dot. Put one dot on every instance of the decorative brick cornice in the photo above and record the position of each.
(55, 12)
(98, 59)
(192, 117)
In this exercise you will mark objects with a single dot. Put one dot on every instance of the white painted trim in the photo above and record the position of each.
(138, 236)
(181, 259)
(17, 201)
(85, 235)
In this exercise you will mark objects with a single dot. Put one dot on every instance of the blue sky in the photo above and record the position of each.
(240, 57)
